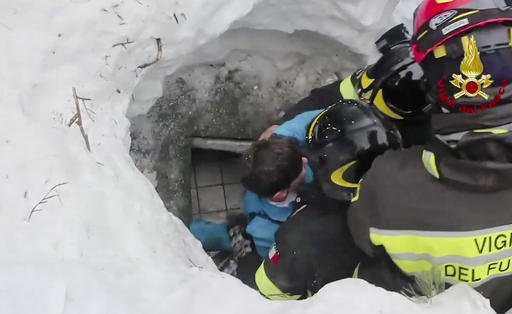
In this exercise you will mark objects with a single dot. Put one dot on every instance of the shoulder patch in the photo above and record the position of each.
(273, 254)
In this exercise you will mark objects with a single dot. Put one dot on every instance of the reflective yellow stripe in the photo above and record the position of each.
(337, 176)
(458, 272)
(422, 34)
(313, 124)
(463, 15)
(380, 103)
(366, 81)
(356, 271)
(443, 1)
(429, 162)
(493, 131)
(356, 197)
(347, 89)
(468, 256)
(437, 244)
(267, 287)
(510, 36)
(439, 51)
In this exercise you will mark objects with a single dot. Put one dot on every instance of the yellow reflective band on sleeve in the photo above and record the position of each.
(366, 81)
(439, 51)
(356, 271)
(443, 1)
(429, 162)
(338, 179)
(267, 287)
(437, 244)
(464, 256)
(474, 275)
(493, 131)
(347, 89)
(380, 103)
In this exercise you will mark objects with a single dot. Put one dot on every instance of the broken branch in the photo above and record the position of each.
(127, 42)
(72, 120)
(158, 55)
(79, 120)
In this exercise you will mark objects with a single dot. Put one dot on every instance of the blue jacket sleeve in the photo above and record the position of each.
(296, 127)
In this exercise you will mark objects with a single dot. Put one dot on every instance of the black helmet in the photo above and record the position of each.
(343, 140)
(394, 84)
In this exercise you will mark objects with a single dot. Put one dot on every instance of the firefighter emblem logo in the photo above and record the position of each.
(471, 81)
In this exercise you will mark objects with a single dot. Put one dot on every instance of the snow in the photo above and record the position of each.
(105, 243)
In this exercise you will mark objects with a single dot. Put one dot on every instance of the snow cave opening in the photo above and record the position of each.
(222, 96)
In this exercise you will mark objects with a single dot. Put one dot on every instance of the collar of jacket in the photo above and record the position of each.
(481, 160)
(448, 123)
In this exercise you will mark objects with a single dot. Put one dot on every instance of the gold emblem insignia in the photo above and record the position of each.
(471, 66)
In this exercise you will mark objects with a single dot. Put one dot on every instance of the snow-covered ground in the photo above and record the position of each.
(85, 232)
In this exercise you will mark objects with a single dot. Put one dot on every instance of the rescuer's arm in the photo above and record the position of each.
(319, 98)
(360, 215)
(376, 266)
(283, 273)
(296, 128)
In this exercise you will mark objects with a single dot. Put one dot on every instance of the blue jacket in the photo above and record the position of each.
(266, 216)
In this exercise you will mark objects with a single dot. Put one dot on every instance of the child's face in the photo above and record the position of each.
(300, 178)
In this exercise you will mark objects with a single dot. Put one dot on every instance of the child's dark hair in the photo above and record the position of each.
(271, 165)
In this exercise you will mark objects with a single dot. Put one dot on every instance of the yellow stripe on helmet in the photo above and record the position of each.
(463, 15)
(313, 124)
(366, 81)
(337, 176)
(380, 103)
(347, 89)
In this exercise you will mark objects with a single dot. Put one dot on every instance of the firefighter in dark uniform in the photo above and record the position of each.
(390, 84)
(314, 247)
(445, 207)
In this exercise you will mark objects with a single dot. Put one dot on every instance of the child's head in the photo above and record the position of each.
(275, 166)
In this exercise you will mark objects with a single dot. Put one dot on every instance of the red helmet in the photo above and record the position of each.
(435, 21)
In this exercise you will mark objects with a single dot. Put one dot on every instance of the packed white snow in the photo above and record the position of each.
(84, 231)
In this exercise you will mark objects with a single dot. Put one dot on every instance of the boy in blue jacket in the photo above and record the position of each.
(271, 191)
(268, 200)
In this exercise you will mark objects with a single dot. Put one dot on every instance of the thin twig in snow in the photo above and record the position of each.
(184, 16)
(176, 18)
(72, 120)
(87, 110)
(158, 54)
(78, 120)
(127, 42)
(44, 200)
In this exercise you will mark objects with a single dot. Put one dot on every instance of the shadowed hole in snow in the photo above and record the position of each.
(231, 88)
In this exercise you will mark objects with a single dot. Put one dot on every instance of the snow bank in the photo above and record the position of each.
(100, 240)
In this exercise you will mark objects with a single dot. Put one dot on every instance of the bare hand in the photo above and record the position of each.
(266, 134)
